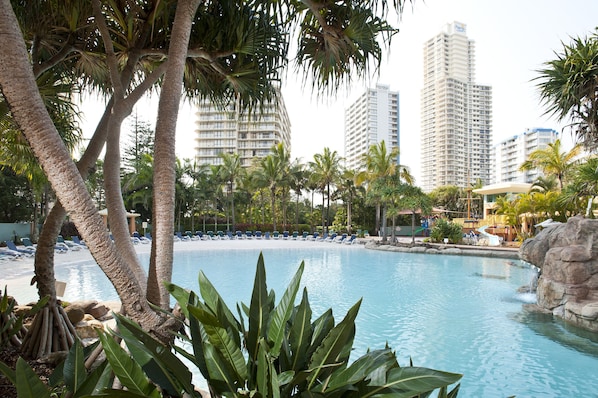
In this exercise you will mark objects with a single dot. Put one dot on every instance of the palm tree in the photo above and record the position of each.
(282, 158)
(298, 181)
(415, 200)
(568, 87)
(269, 175)
(233, 65)
(347, 190)
(545, 184)
(325, 170)
(379, 163)
(231, 172)
(551, 160)
(585, 180)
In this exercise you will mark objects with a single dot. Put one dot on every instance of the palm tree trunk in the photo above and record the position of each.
(384, 224)
(21, 92)
(377, 227)
(165, 158)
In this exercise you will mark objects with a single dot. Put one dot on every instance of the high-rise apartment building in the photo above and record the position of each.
(456, 113)
(371, 119)
(249, 135)
(510, 154)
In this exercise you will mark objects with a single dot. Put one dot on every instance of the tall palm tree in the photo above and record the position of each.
(567, 87)
(379, 163)
(552, 161)
(231, 172)
(347, 190)
(282, 158)
(269, 175)
(325, 170)
(298, 181)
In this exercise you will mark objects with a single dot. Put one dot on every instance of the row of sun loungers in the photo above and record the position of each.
(27, 249)
(285, 235)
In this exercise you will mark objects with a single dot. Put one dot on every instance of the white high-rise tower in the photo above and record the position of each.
(456, 113)
(250, 136)
(372, 118)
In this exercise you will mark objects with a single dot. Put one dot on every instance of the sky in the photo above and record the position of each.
(513, 38)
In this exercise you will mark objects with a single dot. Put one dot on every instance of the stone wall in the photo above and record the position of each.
(567, 255)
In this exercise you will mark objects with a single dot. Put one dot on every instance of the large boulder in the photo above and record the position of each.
(567, 255)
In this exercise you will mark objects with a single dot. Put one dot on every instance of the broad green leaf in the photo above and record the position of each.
(9, 373)
(263, 370)
(282, 312)
(321, 327)
(258, 310)
(221, 340)
(409, 381)
(28, 383)
(218, 371)
(378, 360)
(300, 333)
(335, 348)
(197, 340)
(74, 367)
(161, 365)
(94, 382)
(215, 302)
(127, 370)
(181, 296)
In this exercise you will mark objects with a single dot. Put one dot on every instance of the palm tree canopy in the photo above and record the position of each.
(568, 87)
(552, 160)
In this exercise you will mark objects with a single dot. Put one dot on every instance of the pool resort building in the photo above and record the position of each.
(511, 153)
(371, 119)
(250, 135)
(456, 113)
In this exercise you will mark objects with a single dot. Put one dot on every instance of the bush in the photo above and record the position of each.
(445, 229)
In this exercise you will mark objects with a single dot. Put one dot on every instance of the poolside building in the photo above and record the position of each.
(229, 130)
(371, 119)
(511, 153)
(456, 113)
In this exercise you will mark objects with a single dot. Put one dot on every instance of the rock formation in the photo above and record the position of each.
(567, 255)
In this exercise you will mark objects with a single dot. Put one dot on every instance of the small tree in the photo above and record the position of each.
(446, 229)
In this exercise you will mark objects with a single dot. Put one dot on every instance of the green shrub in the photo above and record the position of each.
(446, 229)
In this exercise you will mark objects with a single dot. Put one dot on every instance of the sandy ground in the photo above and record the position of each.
(17, 274)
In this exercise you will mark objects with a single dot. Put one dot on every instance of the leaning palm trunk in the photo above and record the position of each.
(165, 158)
(20, 90)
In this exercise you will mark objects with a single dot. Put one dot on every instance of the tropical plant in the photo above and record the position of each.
(445, 229)
(415, 200)
(281, 351)
(231, 172)
(325, 169)
(553, 161)
(567, 87)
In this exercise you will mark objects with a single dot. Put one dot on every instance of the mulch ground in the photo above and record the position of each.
(9, 356)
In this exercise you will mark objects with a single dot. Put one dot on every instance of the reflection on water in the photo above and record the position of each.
(459, 314)
(555, 329)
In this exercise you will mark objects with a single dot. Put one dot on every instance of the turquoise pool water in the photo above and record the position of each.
(459, 314)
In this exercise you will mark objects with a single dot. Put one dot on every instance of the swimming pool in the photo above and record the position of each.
(453, 313)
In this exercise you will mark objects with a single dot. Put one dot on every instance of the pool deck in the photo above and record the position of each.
(17, 274)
